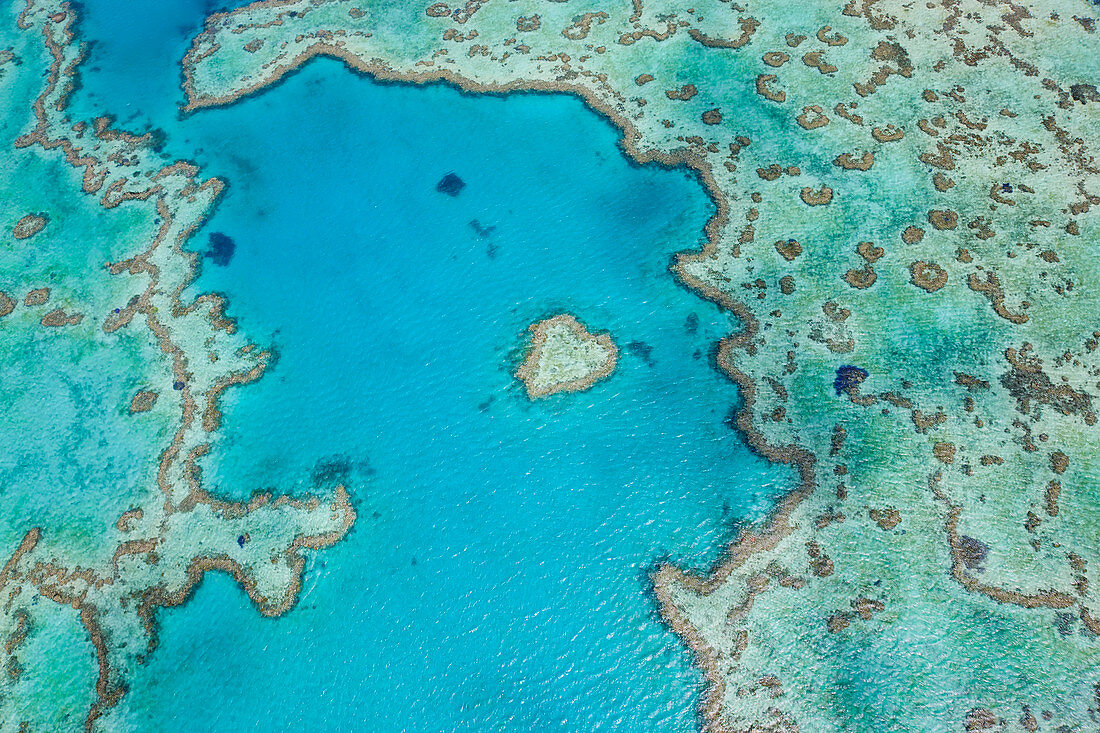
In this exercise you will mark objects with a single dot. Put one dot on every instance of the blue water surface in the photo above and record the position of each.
(498, 575)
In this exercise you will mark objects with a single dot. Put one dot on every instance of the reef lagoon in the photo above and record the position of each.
(498, 576)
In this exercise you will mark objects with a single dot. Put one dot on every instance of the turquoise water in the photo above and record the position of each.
(497, 578)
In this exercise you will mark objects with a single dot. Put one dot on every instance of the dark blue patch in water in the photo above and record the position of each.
(450, 184)
(482, 230)
(642, 350)
(221, 248)
(848, 377)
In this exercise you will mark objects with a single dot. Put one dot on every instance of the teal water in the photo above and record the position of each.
(497, 578)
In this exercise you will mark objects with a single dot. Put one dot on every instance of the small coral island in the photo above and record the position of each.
(565, 357)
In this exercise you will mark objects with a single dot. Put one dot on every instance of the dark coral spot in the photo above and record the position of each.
(177, 385)
(642, 350)
(1084, 93)
(331, 470)
(482, 230)
(848, 378)
(972, 552)
(450, 184)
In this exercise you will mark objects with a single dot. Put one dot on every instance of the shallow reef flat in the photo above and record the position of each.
(906, 228)
(111, 384)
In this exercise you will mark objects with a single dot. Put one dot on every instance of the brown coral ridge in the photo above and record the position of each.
(820, 197)
(848, 162)
(748, 542)
(968, 553)
(30, 225)
(58, 318)
(143, 401)
(928, 276)
(72, 587)
(1032, 388)
(377, 69)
